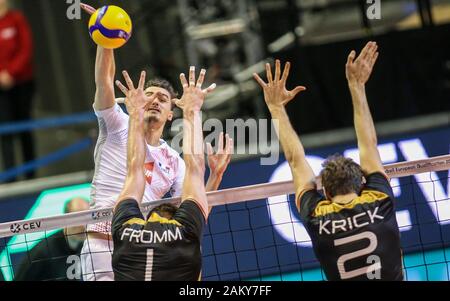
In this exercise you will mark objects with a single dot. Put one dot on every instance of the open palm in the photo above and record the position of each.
(193, 94)
(275, 92)
(218, 162)
(135, 100)
(358, 71)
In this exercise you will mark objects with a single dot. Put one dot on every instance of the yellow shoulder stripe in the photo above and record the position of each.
(134, 220)
(367, 196)
(156, 218)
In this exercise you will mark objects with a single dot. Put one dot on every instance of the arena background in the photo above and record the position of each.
(408, 93)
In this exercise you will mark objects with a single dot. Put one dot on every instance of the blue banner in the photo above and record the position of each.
(264, 239)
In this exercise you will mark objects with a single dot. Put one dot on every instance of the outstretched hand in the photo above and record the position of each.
(358, 71)
(193, 95)
(218, 162)
(275, 92)
(136, 101)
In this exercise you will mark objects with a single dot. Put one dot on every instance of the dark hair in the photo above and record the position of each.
(164, 210)
(341, 175)
(162, 83)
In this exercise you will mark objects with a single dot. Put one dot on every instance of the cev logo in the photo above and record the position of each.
(100, 214)
(49, 203)
(15, 228)
(286, 223)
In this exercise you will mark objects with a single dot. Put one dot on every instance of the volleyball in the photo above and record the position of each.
(110, 27)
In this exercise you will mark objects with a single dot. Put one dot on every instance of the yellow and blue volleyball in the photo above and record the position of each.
(110, 27)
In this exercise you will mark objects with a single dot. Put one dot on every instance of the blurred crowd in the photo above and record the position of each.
(16, 83)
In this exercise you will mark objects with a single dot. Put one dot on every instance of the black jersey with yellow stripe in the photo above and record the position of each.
(359, 240)
(158, 249)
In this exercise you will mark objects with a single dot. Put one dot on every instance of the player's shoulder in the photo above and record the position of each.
(114, 109)
(169, 148)
(378, 181)
(377, 176)
(171, 152)
(191, 211)
(308, 200)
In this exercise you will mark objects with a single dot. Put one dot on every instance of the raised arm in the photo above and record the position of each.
(277, 96)
(358, 72)
(104, 79)
(136, 102)
(191, 103)
(105, 69)
(218, 162)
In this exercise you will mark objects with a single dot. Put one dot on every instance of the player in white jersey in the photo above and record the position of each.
(164, 168)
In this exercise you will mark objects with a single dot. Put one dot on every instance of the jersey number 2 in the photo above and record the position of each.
(366, 251)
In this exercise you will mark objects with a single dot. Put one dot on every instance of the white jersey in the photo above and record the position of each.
(164, 168)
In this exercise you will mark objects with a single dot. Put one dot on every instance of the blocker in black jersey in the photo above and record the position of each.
(359, 240)
(158, 248)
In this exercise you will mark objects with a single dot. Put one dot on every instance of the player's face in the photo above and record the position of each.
(160, 110)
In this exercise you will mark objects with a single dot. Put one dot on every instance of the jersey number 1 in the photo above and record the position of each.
(366, 251)
(149, 265)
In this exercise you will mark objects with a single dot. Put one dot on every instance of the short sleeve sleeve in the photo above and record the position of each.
(308, 203)
(378, 182)
(112, 120)
(125, 211)
(191, 217)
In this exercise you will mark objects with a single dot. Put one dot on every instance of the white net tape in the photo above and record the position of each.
(215, 198)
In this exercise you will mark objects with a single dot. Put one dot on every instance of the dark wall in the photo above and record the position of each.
(411, 77)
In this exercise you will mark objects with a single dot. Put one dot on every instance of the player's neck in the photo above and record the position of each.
(153, 134)
(344, 198)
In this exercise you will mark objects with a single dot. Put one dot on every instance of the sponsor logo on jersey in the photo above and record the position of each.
(148, 171)
(165, 169)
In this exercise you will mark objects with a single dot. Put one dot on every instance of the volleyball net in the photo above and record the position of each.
(253, 232)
